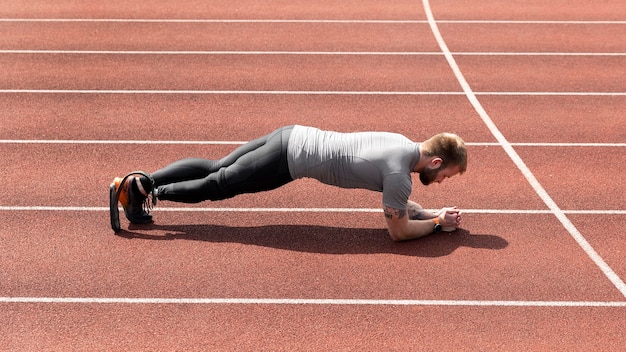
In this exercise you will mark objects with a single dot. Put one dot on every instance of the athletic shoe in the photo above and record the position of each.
(133, 192)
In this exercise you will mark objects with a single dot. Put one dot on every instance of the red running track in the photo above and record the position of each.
(310, 267)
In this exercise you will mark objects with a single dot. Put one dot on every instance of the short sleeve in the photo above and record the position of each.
(396, 190)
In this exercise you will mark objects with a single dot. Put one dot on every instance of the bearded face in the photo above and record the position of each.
(428, 175)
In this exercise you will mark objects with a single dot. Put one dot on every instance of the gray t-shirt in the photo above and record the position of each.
(378, 161)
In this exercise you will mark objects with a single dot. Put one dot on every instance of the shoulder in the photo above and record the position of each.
(397, 180)
(397, 188)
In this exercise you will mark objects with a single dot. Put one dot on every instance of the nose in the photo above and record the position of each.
(441, 178)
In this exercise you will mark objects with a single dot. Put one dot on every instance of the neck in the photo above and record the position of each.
(422, 163)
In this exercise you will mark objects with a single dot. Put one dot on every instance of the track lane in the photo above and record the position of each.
(533, 10)
(535, 118)
(217, 36)
(65, 168)
(534, 37)
(313, 256)
(606, 237)
(226, 72)
(578, 178)
(226, 117)
(278, 327)
(323, 73)
(544, 74)
(213, 35)
(242, 9)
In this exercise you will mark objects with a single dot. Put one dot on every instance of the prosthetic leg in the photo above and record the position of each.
(136, 205)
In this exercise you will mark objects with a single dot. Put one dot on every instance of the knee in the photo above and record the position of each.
(216, 186)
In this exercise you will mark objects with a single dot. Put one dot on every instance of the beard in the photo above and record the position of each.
(428, 175)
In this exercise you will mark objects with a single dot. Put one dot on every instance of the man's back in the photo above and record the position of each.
(378, 161)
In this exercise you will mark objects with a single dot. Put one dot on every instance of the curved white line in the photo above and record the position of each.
(508, 148)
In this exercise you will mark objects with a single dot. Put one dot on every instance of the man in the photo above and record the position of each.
(378, 161)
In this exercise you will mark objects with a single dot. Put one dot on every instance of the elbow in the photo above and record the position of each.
(398, 236)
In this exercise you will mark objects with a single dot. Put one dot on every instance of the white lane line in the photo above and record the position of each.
(305, 210)
(345, 21)
(529, 22)
(597, 94)
(156, 20)
(297, 301)
(575, 145)
(508, 148)
(346, 53)
(222, 52)
(147, 142)
(268, 92)
(69, 141)
(536, 53)
(293, 92)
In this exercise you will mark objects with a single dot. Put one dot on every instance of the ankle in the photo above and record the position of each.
(142, 185)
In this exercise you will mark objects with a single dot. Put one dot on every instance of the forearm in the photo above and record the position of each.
(416, 212)
(414, 229)
(401, 228)
(415, 222)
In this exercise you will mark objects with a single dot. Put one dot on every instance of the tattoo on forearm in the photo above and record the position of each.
(391, 212)
(417, 213)
(413, 210)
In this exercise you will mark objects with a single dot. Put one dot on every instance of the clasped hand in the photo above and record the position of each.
(449, 218)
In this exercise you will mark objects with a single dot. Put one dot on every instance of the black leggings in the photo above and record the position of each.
(259, 165)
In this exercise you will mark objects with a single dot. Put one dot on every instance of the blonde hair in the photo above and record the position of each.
(449, 147)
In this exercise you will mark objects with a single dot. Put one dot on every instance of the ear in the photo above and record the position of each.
(436, 162)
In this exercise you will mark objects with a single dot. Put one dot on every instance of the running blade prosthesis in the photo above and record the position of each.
(117, 195)
(113, 209)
